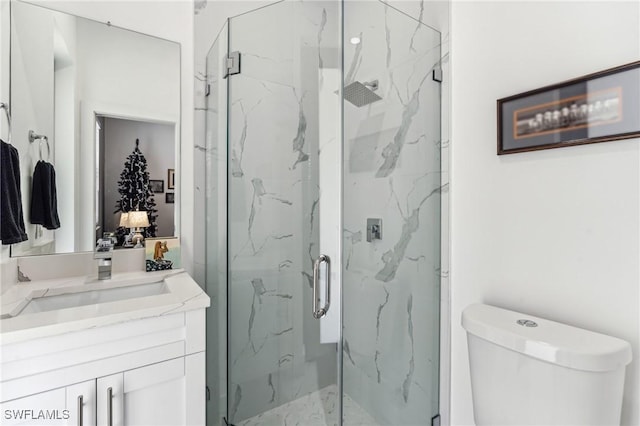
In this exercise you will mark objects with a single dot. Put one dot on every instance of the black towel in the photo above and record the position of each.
(11, 221)
(44, 200)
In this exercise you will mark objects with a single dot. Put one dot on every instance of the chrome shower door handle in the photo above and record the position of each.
(320, 312)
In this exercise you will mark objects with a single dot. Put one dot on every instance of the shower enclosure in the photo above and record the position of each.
(323, 217)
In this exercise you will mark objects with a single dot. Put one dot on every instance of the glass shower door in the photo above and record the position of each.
(392, 174)
(284, 116)
(296, 172)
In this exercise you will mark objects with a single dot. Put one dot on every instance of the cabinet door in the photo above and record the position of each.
(156, 394)
(110, 401)
(81, 403)
(46, 408)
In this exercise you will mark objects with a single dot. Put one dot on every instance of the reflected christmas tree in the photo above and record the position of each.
(135, 191)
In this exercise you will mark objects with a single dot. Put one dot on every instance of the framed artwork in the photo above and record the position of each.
(171, 179)
(170, 198)
(599, 107)
(162, 253)
(157, 186)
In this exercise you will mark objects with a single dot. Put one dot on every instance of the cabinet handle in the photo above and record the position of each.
(80, 410)
(109, 407)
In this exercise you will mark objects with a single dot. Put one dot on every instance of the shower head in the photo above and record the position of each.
(361, 94)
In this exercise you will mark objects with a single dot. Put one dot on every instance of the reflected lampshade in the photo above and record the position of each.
(138, 219)
(124, 220)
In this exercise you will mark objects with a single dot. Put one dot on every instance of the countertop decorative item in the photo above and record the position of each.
(162, 253)
(599, 107)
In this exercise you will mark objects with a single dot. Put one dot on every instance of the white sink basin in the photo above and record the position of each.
(93, 297)
(65, 304)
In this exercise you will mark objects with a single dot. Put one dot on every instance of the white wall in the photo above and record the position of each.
(65, 123)
(552, 233)
(171, 20)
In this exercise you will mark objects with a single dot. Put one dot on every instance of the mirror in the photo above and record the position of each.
(87, 91)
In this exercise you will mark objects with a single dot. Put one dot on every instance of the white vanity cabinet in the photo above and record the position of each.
(141, 372)
(81, 403)
(156, 394)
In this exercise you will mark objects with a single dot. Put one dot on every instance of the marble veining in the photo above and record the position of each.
(347, 351)
(286, 358)
(393, 258)
(418, 26)
(299, 139)
(284, 264)
(238, 149)
(407, 381)
(237, 398)
(353, 238)
(380, 308)
(387, 33)
(259, 193)
(273, 389)
(323, 24)
(391, 152)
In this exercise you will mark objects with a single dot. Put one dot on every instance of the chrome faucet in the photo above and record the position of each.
(103, 253)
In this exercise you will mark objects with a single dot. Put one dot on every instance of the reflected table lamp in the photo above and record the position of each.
(138, 220)
(124, 223)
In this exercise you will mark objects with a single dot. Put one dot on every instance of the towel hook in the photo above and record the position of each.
(33, 136)
(5, 107)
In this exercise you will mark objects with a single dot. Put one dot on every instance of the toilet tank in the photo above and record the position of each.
(527, 370)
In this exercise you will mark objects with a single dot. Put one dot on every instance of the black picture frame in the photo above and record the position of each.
(157, 186)
(171, 179)
(170, 198)
(599, 107)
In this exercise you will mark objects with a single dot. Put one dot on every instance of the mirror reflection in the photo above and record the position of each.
(135, 159)
(82, 94)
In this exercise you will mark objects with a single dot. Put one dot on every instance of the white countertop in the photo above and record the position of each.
(183, 294)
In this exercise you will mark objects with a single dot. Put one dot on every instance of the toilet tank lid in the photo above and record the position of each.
(547, 340)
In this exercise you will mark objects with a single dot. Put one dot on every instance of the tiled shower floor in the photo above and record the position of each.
(316, 409)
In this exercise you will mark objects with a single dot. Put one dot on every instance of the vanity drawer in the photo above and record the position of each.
(43, 364)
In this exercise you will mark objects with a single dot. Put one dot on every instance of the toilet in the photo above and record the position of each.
(531, 371)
